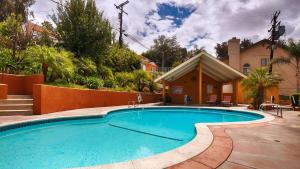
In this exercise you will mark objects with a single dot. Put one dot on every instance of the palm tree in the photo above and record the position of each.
(294, 52)
(256, 84)
(50, 61)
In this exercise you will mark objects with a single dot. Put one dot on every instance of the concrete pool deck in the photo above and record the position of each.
(234, 146)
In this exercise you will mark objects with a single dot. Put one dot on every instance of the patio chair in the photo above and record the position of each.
(212, 99)
(269, 105)
(226, 100)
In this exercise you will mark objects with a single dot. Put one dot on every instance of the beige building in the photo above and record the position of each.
(258, 55)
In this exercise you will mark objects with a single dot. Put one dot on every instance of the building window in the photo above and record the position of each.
(246, 69)
(265, 61)
(227, 88)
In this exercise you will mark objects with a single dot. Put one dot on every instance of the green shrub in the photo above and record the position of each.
(7, 63)
(53, 63)
(93, 83)
(110, 83)
(124, 79)
(67, 84)
(122, 59)
(153, 86)
(78, 79)
(85, 66)
(141, 79)
(105, 72)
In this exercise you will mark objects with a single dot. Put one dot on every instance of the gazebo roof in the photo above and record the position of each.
(211, 66)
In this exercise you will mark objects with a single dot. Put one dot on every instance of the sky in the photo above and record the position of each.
(194, 22)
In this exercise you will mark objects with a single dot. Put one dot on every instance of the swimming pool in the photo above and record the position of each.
(121, 135)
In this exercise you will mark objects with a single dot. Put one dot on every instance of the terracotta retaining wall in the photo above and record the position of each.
(3, 91)
(20, 84)
(48, 99)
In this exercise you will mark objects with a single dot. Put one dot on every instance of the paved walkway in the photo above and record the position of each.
(266, 146)
(271, 145)
(73, 113)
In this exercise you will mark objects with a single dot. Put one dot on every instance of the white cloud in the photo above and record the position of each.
(220, 20)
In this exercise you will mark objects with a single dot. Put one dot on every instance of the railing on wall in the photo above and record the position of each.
(164, 69)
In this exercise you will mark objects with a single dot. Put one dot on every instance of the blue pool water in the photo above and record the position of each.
(120, 136)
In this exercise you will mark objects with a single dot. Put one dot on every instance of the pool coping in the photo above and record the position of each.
(197, 145)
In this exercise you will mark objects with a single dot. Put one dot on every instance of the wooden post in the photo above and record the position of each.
(200, 81)
(164, 91)
(235, 91)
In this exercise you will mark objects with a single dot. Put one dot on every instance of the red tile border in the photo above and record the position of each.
(219, 150)
(214, 155)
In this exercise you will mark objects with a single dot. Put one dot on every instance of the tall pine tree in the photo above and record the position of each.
(83, 29)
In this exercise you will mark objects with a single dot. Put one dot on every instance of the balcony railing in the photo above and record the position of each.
(164, 69)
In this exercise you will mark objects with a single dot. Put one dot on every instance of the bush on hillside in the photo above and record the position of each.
(124, 79)
(85, 66)
(94, 83)
(122, 60)
(141, 79)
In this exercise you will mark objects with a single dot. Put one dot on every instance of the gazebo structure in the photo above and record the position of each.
(200, 77)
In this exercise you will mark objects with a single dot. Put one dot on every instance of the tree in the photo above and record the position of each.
(122, 59)
(256, 84)
(141, 79)
(44, 37)
(245, 43)
(7, 63)
(124, 79)
(53, 63)
(85, 67)
(222, 50)
(195, 51)
(83, 29)
(18, 7)
(12, 35)
(294, 51)
(168, 48)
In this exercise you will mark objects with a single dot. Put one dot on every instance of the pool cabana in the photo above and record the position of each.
(199, 77)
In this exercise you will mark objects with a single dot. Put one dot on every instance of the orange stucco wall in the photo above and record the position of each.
(48, 99)
(3, 91)
(20, 84)
(190, 84)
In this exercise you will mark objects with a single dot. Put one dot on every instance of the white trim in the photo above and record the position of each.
(190, 65)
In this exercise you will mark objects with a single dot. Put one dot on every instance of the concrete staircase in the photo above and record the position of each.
(16, 105)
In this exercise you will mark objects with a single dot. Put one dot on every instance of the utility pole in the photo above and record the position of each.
(120, 7)
(163, 61)
(276, 31)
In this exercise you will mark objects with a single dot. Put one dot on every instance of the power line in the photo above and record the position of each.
(132, 38)
(120, 7)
